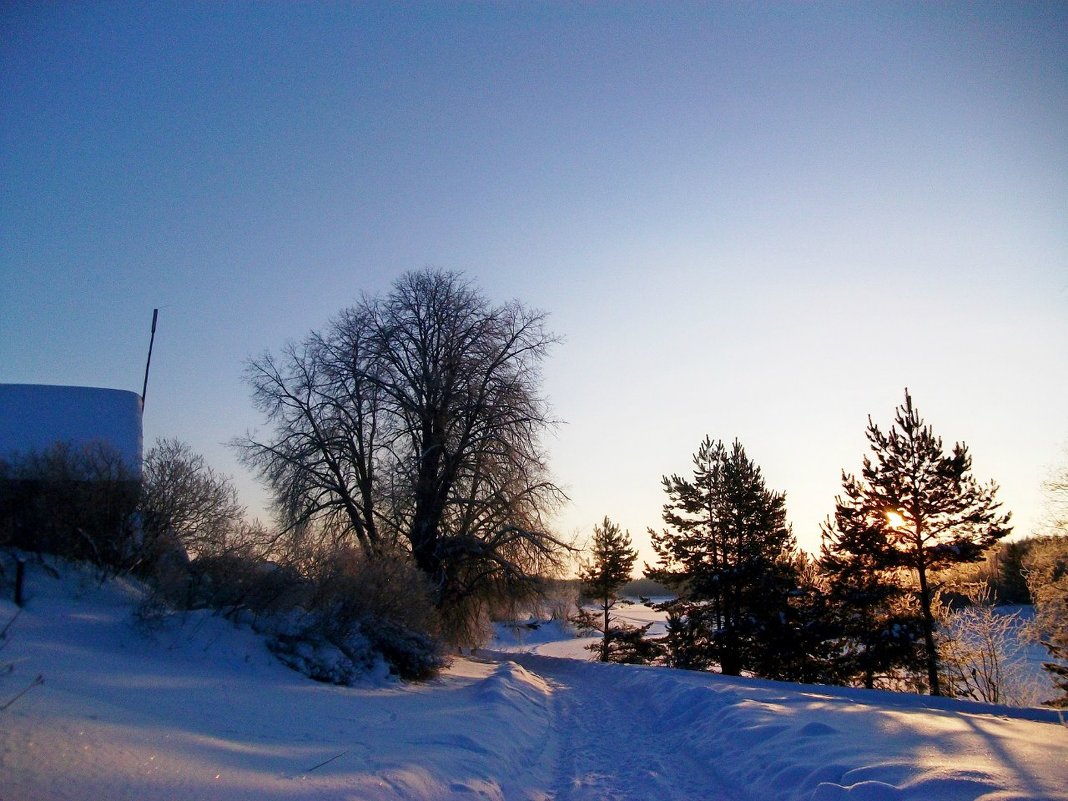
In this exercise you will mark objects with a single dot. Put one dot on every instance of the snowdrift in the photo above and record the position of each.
(773, 740)
(195, 708)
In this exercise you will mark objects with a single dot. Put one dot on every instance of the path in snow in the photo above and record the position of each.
(609, 745)
(748, 738)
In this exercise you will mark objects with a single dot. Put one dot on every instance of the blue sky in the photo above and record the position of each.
(745, 220)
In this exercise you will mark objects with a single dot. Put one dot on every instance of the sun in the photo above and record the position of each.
(895, 519)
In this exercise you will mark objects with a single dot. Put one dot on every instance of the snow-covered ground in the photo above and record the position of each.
(203, 711)
(551, 638)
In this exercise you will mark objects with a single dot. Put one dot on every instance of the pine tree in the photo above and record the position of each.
(936, 513)
(803, 635)
(686, 639)
(608, 569)
(726, 554)
(873, 628)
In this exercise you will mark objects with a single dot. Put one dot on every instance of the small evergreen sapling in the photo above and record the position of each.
(608, 569)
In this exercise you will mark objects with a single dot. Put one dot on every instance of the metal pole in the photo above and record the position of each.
(151, 340)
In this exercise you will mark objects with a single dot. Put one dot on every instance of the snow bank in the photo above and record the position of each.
(33, 417)
(785, 742)
(198, 709)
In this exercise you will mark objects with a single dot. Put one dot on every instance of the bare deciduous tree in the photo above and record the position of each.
(415, 419)
(320, 462)
(184, 498)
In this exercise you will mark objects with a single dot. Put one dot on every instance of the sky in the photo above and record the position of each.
(745, 220)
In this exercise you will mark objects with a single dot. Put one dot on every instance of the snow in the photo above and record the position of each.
(194, 708)
(553, 638)
(33, 417)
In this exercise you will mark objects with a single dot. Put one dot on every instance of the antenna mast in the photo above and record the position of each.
(151, 340)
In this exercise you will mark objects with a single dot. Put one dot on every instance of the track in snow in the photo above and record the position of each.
(615, 747)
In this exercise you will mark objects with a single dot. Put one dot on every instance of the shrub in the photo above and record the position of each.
(321, 659)
(349, 618)
(412, 655)
(385, 600)
(561, 600)
(1047, 577)
(981, 656)
(77, 502)
(238, 581)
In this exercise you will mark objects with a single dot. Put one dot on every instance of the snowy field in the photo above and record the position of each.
(552, 639)
(203, 711)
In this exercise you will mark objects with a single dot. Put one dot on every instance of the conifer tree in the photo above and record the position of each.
(873, 628)
(726, 553)
(608, 569)
(937, 514)
(686, 639)
(802, 637)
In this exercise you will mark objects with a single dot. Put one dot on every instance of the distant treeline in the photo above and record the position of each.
(635, 588)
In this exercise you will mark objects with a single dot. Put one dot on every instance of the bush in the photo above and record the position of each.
(321, 659)
(412, 655)
(350, 618)
(981, 657)
(77, 502)
(387, 601)
(238, 582)
(1046, 568)
(561, 600)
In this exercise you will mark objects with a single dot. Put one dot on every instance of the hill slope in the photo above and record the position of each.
(203, 711)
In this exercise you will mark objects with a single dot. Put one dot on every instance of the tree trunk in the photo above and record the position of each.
(604, 640)
(730, 664)
(730, 661)
(928, 631)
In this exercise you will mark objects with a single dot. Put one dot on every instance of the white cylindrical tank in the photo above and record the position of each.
(33, 417)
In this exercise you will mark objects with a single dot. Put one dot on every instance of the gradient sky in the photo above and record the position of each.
(746, 220)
